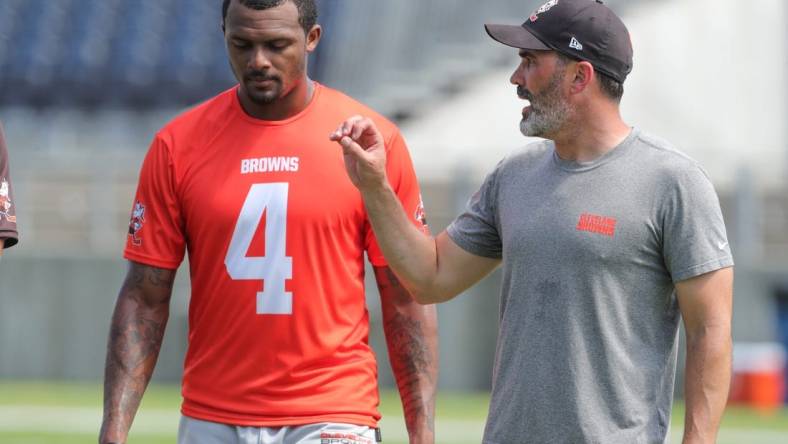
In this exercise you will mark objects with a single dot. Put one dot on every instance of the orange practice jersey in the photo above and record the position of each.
(276, 235)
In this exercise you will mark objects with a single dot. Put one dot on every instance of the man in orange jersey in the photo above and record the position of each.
(8, 233)
(250, 186)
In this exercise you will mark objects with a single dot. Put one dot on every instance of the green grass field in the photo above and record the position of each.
(59, 413)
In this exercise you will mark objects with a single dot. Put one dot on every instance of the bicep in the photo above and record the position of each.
(706, 300)
(457, 269)
(148, 285)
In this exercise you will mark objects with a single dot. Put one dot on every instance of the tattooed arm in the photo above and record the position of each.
(135, 337)
(412, 338)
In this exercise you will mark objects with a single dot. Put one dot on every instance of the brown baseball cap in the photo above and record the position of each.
(580, 29)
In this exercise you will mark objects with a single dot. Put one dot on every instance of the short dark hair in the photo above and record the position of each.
(610, 87)
(307, 10)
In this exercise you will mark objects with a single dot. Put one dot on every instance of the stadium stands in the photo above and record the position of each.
(145, 53)
(170, 53)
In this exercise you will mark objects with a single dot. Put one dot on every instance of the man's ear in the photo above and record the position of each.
(583, 73)
(313, 38)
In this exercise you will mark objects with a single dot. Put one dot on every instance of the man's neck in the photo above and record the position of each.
(591, 135)
(283, 108)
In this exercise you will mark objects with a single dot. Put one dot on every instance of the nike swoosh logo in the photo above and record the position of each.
(721, 245)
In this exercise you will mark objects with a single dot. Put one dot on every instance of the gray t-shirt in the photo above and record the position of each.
(588, 318)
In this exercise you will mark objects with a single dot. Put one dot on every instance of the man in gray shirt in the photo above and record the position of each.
(607, 236)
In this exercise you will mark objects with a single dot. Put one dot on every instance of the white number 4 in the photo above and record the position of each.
(273, 268)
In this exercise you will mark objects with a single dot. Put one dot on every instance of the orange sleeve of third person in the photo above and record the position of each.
(402, 177)
(156, 228)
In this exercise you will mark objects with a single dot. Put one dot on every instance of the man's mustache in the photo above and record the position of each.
(524, 94)
(260, 76)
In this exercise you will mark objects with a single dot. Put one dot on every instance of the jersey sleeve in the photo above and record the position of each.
(694, 240)
(156, 229)
(476, 230)
(8, 231)
(402, 177)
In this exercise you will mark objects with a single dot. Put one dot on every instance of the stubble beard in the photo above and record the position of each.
(264, 97)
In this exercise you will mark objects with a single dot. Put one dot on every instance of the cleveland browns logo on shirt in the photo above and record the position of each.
(597, 224)
(420, 215)
(5, 202)
(136, 222)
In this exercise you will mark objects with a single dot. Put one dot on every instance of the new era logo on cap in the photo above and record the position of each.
(574, 44)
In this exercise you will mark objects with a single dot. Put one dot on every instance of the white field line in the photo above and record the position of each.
(739, 436)
(81, 420)
(164, 422)
(86, 420)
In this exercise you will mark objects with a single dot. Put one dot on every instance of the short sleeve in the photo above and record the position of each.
(477, 230)
(402, 177)
(156, 233)
(694, 240)
(8, 230)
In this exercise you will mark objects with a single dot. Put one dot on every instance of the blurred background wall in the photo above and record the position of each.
(84, 85)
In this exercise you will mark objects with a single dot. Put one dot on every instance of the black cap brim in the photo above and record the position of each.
(515, 36)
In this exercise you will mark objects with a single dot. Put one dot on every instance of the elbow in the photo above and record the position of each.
(718, 331)
(710, 338)
(423, 298)
(430, 295)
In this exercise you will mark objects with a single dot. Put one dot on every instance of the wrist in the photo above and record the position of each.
(111, 440)
(376, 186)
(421, 430)
(423, 436)
(376, 189)
(695, 436)
(110, 434)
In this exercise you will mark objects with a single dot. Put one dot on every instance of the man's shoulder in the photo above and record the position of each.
(669, 163)
(532, 154)
(657, 148)
(202, 117)
(343, 106)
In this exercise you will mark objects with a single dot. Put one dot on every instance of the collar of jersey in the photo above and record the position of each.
(240, 111)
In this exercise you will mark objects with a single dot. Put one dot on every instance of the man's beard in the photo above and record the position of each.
(265, 97)
(549, 110)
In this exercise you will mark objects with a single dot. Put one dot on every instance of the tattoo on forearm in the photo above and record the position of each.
(413, 356)
(140, 276)
(412, 363)
(135, 339)
(390, 282)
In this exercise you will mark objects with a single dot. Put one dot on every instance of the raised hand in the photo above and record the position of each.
(364, 151)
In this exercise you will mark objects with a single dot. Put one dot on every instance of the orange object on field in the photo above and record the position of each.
(766, 389)
(758, 376)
